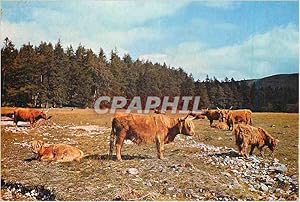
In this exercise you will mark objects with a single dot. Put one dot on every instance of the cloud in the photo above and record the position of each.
(220, 4)
(94, 24)
(275, 51)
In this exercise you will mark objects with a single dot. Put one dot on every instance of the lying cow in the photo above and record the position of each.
(246, 135)
(236, 116)
(212, 114)
(56, 152)
(27, 114)
(221, 125)
(145, 129)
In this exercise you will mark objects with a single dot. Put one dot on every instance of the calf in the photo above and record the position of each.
(56, 152)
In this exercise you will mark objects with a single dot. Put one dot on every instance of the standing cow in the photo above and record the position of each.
(212, 114)
(236, 116)
(27, 114)
(145, 129)
(246, 135)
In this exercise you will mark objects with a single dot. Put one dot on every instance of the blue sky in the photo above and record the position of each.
(220, 38)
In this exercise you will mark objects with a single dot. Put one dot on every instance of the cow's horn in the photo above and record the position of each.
(182, 119)
(218, 108)
(231, 107)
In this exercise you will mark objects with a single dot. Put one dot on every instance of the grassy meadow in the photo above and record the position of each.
(95, 178)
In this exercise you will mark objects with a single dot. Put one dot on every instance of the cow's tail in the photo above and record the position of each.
(111, 141)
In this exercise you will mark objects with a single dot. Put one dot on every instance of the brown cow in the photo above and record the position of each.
(236, 116)
(145, 129)
(246, 135)
(27, 114)
(212, 114)
(56, 152)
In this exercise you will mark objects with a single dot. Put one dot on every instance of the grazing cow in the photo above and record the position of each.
(56, 152)
(246, 135)
(31, 115)
(212, 114)
(236, 116)
(221, 125)
(145, 129)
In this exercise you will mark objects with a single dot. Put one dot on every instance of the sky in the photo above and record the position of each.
(243, 40)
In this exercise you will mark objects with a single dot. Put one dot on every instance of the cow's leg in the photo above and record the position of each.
(31, 120)
(119, 143)
(160, 148)
(244, 150)
(210, 122)
(251, 150)
(16, 121)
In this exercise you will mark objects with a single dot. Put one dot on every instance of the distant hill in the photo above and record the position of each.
(276, 93)
(277, 81)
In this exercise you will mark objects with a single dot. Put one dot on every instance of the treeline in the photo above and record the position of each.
(50, 75)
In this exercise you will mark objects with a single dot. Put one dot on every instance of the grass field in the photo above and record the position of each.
(95, 178)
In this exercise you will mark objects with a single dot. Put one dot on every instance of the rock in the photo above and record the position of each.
(170, 188)
(133, 171)
(149, 184)
(226, 174)
(281, 168)
(263, 187)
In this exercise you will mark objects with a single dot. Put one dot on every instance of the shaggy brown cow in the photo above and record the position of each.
(145, 129)
(246, 135)
(236, 116)
(56, 152)
(31, 115)
(212, 114)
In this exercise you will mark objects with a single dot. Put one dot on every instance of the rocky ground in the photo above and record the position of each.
(191, 170)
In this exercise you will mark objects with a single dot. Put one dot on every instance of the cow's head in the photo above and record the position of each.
(270, 141)
(186, 126)
(43, 115)
(204, 112)
(224, 114)
(36, 145)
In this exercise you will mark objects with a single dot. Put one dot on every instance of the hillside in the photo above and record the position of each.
(277, 81)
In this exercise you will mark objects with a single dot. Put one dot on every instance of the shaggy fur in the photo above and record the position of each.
(246, 135)
(236, 116)
(147, 129)
(56, 152)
